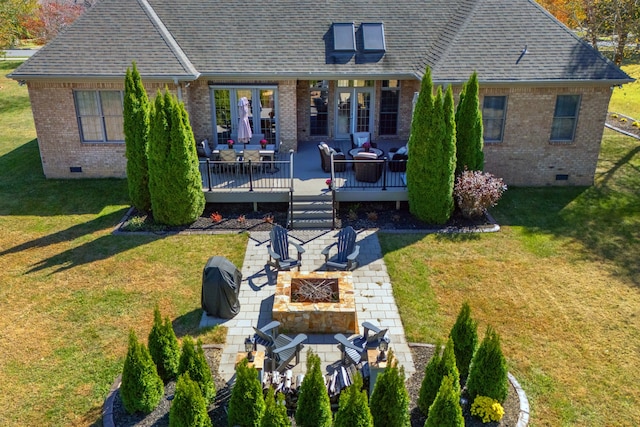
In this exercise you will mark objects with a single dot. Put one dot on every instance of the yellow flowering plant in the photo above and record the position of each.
(487, 409)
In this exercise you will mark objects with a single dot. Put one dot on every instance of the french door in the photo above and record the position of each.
(353, 113)
(263, 114)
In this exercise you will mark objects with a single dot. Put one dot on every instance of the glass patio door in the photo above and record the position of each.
(353, 111)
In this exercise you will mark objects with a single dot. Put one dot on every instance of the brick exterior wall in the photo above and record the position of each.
(524, 157)
(58, 133)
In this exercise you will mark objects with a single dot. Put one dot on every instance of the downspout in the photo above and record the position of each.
(179, 86)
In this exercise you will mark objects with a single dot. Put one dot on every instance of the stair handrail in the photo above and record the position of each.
(291, 188)
(333, 192)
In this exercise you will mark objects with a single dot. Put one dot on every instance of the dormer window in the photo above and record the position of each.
(373, 37)
(344, 37)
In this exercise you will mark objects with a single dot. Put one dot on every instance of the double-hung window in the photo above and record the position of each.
(565, 117)
(100, 115)
(494, 109)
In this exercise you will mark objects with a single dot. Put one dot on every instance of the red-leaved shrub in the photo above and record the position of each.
(477, 191)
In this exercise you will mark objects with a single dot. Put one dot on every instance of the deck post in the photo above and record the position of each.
(209, 172)
(384, 174)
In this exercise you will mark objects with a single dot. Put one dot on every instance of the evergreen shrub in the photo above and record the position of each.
(141, 388)
(389, 402)
(188, 408)
(446, 410)
(275, 414)
(136, 110)
(488, 372)
(247, 406)
(353, 408)
(464, 334)
(164, 347)
(314, 407)
(469, 139)
(193, 361)
(431, 381)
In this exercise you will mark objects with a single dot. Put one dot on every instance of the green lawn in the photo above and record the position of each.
(560, 283)
(626, 100)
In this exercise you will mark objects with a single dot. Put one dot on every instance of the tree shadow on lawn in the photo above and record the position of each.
(25, 190)
(100, 248)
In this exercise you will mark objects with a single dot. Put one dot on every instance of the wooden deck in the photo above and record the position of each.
(275, 182)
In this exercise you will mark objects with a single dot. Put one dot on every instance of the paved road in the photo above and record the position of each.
(17, 53)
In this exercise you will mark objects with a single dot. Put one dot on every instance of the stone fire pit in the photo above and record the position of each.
(334, 311)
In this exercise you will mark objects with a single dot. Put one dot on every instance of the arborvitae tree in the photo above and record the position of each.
(389, 401)
(247, 406)
(488, 371)
(193, 361)
(275, 414)
(141, 388)
(188, 408)
(164, 347)
(449, 367)
(417, 186)
(431, 381)
(438, 178)
(314, 407)
(446, 410)
(469, 128)
(158, 152)
(136, 110)
(448, 155)
(174, 177)
(465, 338)
(353, 410)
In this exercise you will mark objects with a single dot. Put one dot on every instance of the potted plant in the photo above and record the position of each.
(366, 146)
(230, 143)
(263, 143)
(328, 182)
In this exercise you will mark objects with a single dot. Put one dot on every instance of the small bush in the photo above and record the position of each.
(446, 410)
(247, 406)
(275, 414)
(477, 191)
(636, 124)
(487, 409)
(353, 409)
(188, 408)
(465, 339)
(195, 363)
(141, 388)
(449, 367)
(488, 372)
(389, 401)
(164, 347)
(314, 408)
(623, 120)
(431, 381)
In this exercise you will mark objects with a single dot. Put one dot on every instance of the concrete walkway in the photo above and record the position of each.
(373, 297)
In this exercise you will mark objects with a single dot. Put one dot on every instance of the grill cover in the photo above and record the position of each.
(220, 288)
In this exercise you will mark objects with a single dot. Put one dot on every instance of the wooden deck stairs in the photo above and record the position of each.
(311, 211)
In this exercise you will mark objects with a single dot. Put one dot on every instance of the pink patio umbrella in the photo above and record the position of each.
(244, 129)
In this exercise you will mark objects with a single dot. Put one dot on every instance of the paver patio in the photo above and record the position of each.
(373, 297)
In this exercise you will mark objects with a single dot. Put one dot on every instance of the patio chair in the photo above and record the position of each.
(325, 158)
(398, 159)
(353, 349)
(265, 336)
(229, 160)
(367, 168)
(359, 138)
(279, 250)
(347, 254)
(204, 150)
(252, 156)
(285, 349)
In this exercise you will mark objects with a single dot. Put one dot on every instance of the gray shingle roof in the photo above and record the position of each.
(291, 39)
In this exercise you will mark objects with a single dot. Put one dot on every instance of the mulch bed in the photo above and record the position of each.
(625, 125)
(421, 355)
(239, 217)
